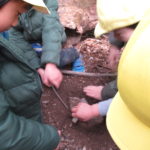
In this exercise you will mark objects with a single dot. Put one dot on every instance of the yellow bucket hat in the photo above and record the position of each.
(128, 118)
(114, 14)
(38, 5)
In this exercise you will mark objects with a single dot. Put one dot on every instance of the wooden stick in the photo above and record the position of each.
(88, 74)
(60, 99)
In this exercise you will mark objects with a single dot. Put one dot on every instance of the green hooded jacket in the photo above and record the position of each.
(46, 29)
(20, 92)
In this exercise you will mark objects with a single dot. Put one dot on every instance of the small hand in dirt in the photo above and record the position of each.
(123, 34)
(93, 91)
(51, 75)
(85, 112)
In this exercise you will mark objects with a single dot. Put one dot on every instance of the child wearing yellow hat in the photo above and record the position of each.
(121, 18)
(118, 38)
(128, 118)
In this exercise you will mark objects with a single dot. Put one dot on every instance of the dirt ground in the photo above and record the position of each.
(80, 136)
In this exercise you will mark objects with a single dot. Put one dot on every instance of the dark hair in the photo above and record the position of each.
(2, 2)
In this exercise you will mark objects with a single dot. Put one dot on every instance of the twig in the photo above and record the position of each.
(61, 100)
(88, 74)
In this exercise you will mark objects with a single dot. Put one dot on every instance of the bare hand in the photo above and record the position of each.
(93, 91)
(84, 111)
(51, 75)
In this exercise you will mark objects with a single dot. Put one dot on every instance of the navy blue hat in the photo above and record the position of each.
(2, 2)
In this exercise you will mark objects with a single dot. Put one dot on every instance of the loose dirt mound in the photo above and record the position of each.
(95, 54)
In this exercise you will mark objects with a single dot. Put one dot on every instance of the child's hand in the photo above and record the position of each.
(51, 75)
(123, 34)
(93, 91)
(84, 111)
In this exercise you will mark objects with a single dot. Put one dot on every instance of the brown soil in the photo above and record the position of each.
(79, 136)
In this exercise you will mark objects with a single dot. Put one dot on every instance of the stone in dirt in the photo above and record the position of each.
(74, 101)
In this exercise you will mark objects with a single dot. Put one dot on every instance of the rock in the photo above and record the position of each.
(73, 101)
(78, 15)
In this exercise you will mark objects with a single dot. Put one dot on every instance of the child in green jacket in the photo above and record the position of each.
(20, 88)
(34, 27)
